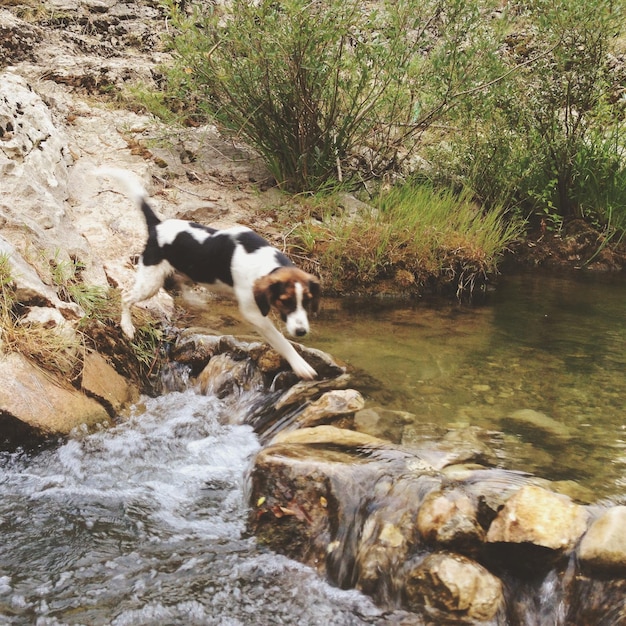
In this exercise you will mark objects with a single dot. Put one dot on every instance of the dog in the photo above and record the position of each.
(261, 277)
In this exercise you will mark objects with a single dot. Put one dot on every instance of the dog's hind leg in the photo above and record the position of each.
(149, 280)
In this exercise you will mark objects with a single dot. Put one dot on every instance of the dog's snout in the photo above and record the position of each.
(301, 332)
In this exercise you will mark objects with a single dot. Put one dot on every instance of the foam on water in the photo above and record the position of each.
(144, 523)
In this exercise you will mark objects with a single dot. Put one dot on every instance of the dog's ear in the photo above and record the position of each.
(315, 288)
(266, 289)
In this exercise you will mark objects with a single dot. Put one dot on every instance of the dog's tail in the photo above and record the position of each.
(134, 189)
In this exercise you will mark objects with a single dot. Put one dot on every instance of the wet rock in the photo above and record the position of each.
(450, 518)
(330, 436)
(538, 421)
(388, 536)
(300, 495)
(537, 526)
(489, 487)
(323, 363)
(330, 406)
(456, 585)
(224, 376)
(603, 548)
(195, 348)
(304, 390)
(384, 423)
(100, 380)
(40, 403)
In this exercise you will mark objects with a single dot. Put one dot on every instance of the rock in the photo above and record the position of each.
(17, 39)
(300, 393)
(538, 421)
(383, 423)
(387, 538)
(225, 376)
(270, 362)
(332, 405)
(329, 435)
(34, 163)
(100, 380)
(41, 404)
(603, 548)
(536, 517)
(195, 348)
(456, 585)
(450, 518)
(52, 319)
(301, 496)
(29, 289)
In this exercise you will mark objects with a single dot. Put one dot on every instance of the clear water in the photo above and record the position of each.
(555, 346)
(145, 523)
(552, 345)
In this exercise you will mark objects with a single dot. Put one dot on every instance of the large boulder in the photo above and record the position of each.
(35, 403)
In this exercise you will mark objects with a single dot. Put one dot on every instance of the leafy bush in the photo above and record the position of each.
(549, 138)
(329, 90)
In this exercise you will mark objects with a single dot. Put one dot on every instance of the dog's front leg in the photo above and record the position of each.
(278, 341)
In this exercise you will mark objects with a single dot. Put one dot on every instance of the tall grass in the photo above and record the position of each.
(417, 238)
(56, 351)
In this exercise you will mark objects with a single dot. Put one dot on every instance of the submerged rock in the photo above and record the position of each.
(540, 422)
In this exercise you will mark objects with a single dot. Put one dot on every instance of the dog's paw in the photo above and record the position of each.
(304, 370)
(128, 329)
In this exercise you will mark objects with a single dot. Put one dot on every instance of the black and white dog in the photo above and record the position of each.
(260, 276)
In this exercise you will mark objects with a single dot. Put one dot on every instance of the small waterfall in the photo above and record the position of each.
(144, 523)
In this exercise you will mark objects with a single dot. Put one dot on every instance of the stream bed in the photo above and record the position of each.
(144, 523)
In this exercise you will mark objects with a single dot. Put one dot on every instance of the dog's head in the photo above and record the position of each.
(292, 293)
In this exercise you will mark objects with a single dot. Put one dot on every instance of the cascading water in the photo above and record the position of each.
(144, 523)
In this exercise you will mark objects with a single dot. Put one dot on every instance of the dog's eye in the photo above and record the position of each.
(288, 302)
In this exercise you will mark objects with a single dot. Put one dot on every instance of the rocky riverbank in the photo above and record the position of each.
(435, 528)
(62, 230)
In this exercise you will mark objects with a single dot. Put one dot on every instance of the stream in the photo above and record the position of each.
(144, 523)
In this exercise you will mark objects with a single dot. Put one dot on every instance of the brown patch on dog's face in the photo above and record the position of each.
(278, 290)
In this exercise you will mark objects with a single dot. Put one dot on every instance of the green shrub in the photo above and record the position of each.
(331, 90)
(548, 139)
